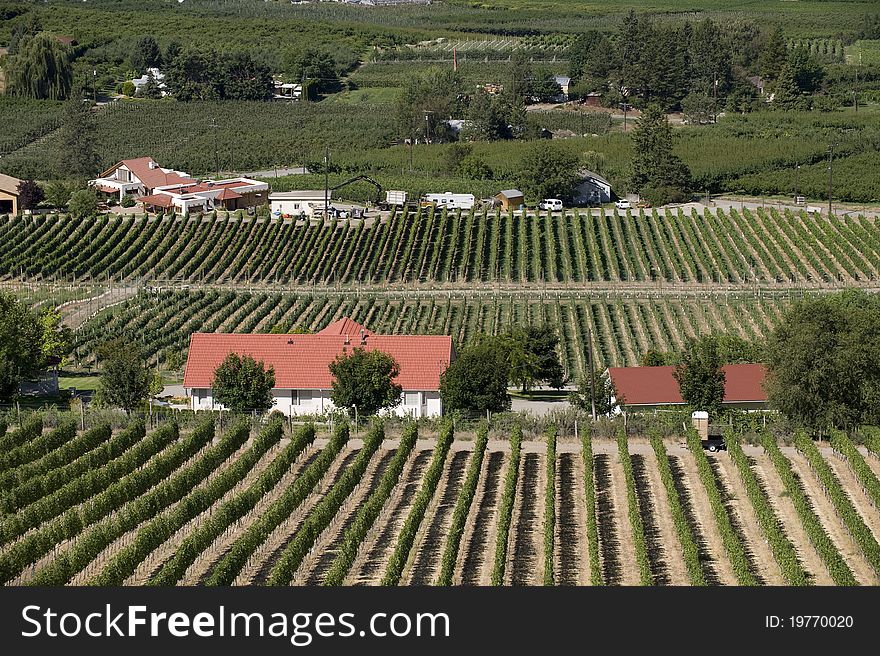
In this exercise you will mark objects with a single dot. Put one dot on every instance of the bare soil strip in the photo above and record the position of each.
(314, 566)
(203, 567)
(609, 545)
(257, 569)
(629, 571)
(664, 533)
(526, 563)
(762, 563)
(429, 549)
(836, 530)
(153, 563)
(477, 556)
(701, 522)
(785, 511)
(369, 567)
(855, 491)
(572, 561)
(648, 513)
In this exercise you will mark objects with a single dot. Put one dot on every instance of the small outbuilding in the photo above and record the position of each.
(305, 203)
(8, 194)
(511, 199)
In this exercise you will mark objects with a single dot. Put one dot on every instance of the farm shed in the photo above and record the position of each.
(302, 203)
(8, 194)
(302, 366)
(651, 388)
(511, 199)
(592, 189)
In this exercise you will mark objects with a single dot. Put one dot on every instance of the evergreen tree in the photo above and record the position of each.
(657, 173)
(146, 54)
(773, 55)
(786, 94)
(76, 149)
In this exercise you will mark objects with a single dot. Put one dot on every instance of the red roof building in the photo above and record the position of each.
(301, 364)
(653, 387)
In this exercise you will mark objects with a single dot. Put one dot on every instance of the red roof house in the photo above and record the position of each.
(301, 364)
(652, 387)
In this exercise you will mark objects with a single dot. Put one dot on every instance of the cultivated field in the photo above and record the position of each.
(439, 247)
(624, 324)
(233, 507)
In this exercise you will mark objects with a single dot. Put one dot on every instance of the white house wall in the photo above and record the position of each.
(317, 402)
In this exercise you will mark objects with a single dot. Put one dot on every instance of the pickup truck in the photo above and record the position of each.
(714, 443)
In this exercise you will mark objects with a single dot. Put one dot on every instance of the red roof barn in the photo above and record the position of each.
(650, 387)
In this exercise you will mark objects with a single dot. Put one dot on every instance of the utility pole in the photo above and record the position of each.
(412, 139)
(215, 127)
(797, 181)
(95, 85)
(715, 99)
(326, 182)
(830, 175)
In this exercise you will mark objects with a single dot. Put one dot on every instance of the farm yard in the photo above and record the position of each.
(418, 506)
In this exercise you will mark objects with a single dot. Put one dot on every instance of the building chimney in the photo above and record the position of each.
(363, 337)
(347, 340)
(152, 165)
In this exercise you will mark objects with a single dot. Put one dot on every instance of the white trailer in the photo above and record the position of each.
(395, 198)
(452, 201)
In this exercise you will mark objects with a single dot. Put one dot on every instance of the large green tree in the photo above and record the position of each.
(125, 379)
(477, 380)
(534, 357)
(426, 102)
(364, 380)
(145, 54)
(823, 362)
(40, 69)
(243, 384)
(658, 174)
(20, 345)
(700, 375)
(548, 171)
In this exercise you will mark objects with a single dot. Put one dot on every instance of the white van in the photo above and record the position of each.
(623, 204)
(552, 204)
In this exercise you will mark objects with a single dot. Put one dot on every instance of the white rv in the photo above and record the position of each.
(452, 201)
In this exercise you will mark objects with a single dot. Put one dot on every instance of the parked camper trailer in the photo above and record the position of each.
(452, 201)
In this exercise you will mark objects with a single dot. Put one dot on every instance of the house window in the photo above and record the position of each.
(411, 398)
(300, 397)
(294, 397)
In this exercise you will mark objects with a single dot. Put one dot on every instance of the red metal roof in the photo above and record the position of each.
(345, 326)
(302, 361)
(657, 386)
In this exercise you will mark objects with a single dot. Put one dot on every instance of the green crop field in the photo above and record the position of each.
(625, 326)
(451, 248)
